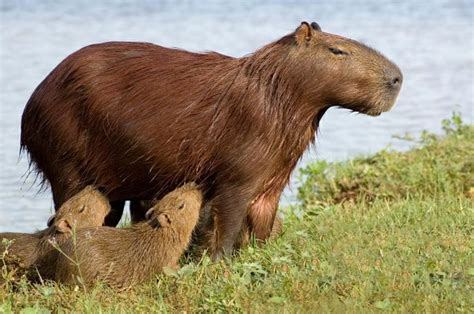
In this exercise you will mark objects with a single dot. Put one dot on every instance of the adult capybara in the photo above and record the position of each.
(124, 257)
(34, 254)
(138, 120)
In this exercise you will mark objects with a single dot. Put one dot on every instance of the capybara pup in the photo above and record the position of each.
(35, 253)
(156, 117)
(124, 257)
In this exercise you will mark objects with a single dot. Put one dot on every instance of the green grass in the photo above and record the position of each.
(390, 232)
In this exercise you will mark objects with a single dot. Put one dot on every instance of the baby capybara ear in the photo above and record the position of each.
(160, 220)
(164, 219)
(304, 33)
(63, 226)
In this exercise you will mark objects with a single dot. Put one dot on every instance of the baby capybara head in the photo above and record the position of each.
(352, 75)
(87, 208)
(178, 209)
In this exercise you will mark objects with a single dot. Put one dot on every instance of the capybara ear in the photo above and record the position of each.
(315, 26)
(303, 33)
(51, 220)
(63, 226)
(164, 220)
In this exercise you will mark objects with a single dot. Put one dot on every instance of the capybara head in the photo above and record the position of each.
(88, 208)
(178, 209)
(352, 75)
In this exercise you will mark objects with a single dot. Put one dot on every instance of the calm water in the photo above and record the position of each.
(431, 41)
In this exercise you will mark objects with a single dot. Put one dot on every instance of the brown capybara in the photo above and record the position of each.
(34, 254)
(121, 258)
(156, 117)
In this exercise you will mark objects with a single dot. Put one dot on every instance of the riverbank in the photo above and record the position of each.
(389, 231)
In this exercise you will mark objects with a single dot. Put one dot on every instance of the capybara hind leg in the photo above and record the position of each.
(113, 218)
(245, 234)
(262, 214)
(138, 210)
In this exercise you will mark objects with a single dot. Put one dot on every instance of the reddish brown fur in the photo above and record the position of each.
(205, 232)
(35, 253)
(138, 120)
(124, 257)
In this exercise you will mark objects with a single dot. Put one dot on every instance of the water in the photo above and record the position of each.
(431, 41)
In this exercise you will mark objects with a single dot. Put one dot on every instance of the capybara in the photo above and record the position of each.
(34, 254)
(124, 257)
(138, 120)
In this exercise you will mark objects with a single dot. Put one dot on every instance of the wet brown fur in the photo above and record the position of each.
(138, 120)
(34, 254)
(124, 257)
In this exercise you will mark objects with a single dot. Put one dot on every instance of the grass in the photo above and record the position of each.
(391, 232)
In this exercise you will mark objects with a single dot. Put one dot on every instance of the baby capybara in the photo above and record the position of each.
(35, 254)
(157, 117)
(121, 258)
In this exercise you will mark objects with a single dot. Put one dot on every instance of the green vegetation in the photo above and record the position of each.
(392, 232)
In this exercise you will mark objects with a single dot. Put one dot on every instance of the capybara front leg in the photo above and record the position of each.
(113, 218)
(262, 215)
(230, 212)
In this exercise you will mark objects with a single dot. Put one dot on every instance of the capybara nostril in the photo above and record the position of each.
(395, 81)
(394, 78)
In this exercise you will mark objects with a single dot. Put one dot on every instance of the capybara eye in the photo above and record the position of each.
(337, 51)
(82, 208)
(181, 205)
